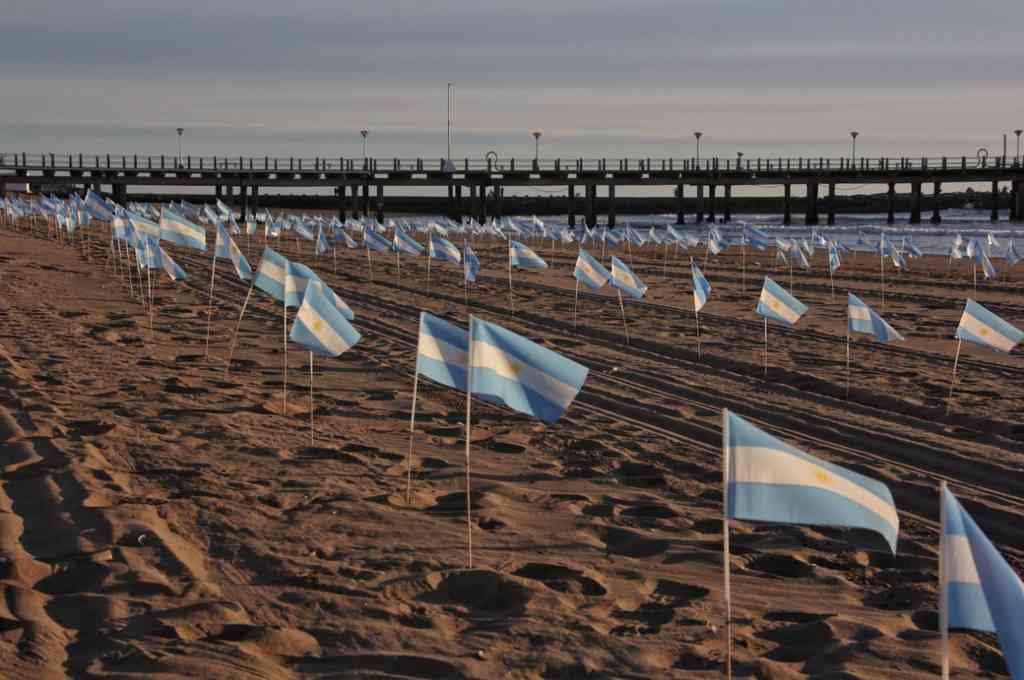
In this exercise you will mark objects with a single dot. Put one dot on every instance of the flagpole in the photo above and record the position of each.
(952, 382)
(234, 337)
(575, 303)
(311, 399)
(429, 258)
(974, 269)
(847, 363)
(209, 309)
(833, 282)
(943, 582)
(623, 308)
(766, 348)
(511, 303)
(398, 271)
(696, 315)
(664, 268)
(744, 251)
(726, 566)
(791, 273)
(469, 420)
(370, 260)
(412, 430)
(284, 383)
(335, 249)
(882, 258)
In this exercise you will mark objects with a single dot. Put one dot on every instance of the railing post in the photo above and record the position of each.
(512, 165)
(188, 162)
(161, 162)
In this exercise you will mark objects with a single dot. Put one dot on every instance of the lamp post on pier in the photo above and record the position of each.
(180, 131)
(1018, 133)
(853, 142)
(697, 136)
(536, 148)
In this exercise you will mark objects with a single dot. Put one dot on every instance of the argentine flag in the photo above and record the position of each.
(321, 241)
(225, 211)
(177, 229)
(767, 480)
(99, 208)
(320, 327)
(982, 327)
(470, 264)
(442, 352)
(143, 226)
(523, 257)
(1012, 257)
(701, 288)
(403, 243)
(625, 280)
(443, 249)
(375, 242)
(226, 249)
(508, 369)
(589, 271)
(833, 259)
(272, 273)
(863, 319)
(981, 257)
(982, 591)
(776, 303)
(347, 240)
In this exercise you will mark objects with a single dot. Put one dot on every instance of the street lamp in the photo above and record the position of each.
(698, 135)
(450, 121)
(1018, 133)
(180, 131)
(536, 146)
(853, 152)
(365, 134)
(739, 159)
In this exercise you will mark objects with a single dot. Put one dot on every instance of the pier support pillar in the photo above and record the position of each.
(483, 204)
(243, 195)
(891, 218)
(680, 212)
(727, 208)
(915, 203)
(591, 205)
(571, 207)
(380, 202)
(611, 205)
(995, 201)
(499, 191)
(1017, 196)
(831, 203)
(711, 203)
(255, 199)
(699, 217)
(936, 199)
(366, 198)
(342, 208)
(449, 210)
(357, 211)
(218, 191)
(458, 203)
(812, 204)
(787, 212)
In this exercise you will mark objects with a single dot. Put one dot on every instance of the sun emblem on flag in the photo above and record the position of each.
(982, 331)
(774, 304)
(318, 326)
(514, 368)
(822, 476)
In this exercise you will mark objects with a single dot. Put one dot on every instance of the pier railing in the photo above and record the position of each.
(266, 164)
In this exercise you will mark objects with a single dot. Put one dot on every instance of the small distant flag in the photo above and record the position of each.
(589, 271)
(1012, 257)
(375, 242)
(625, 280)
(178, 230)
(701, 288)
(508, 369)
(802, 258)
(442, 352)
(347, 240)
(470, 264)
(321, 241)
(767, 480)
(320, 327)
(982, 327)
(981, 257)
(776, 303)
(833, 259)
(443, 249)
(523, 257)
(144, 226)
(862, 319)
(227, 249)
(403, 243)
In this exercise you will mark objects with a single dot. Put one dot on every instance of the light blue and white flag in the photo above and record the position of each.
(981, 257)
(625, 280)
(776, 303)
(523, 257)
(272, 274)
(508, 369)
(982, 327)
(346, 240)
(227, 250)
(321, 241)
(403, 243)
(701, 288)
(960, 583)
(443, 249)
(898, 260)
(470, 264)
(970, 561)
(320, 327)
(833, 259)
(178, 230)
(767, 480)
(801, 258)
(442, 352)
(589, 271)
(863, 319)
(99, 208)
(783, 245)
(1012, 257)
(143, 226)
(375, 242)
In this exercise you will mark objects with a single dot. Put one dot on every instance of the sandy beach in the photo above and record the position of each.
(161, 517)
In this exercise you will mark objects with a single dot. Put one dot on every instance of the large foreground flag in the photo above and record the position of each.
(177, 229)
(523, 257)
(589, 271)
(701, 288)
(625, 280)
(982, 327)
(320, 327)
(863, 319)
(776, 303)
(227, 250)
(272, 273)
(768, 480)
(442, 351)
(970, 561)
(508, 369)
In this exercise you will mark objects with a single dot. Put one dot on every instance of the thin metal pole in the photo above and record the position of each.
(847, 364)
(952, 382)
(311, 441)
(623, 308)
(575, 304)
(209, 309)
(696, 315)
(412, 432)
(943, 582)
(469, 420)
(511, 302)
(428, 272)
(234, 337)
(726, 566)
(370, 260)
(284, 382)
(766, 348)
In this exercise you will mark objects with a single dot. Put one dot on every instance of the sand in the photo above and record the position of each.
(160, 517)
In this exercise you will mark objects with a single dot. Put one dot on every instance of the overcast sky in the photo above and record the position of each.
(598, 77)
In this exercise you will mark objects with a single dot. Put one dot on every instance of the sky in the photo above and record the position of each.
(598, 78)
